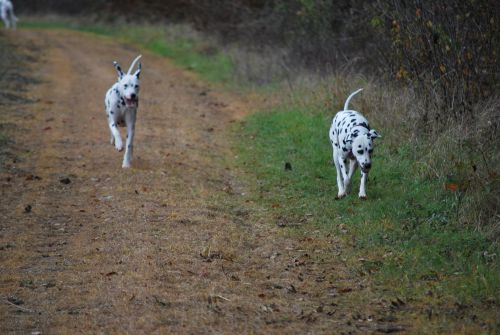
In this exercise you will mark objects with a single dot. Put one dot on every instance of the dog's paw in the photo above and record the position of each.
(119, 147)
(126, 165)
(340, 196)
(363, 197)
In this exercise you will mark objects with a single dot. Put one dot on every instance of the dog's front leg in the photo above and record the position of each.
(129, 145)
(352, 167)
(341, 174)
(362, 190)
(113, 127)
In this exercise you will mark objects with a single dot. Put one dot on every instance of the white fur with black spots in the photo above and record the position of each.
(121, 103)
(352, 142)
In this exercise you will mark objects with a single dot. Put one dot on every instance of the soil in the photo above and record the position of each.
(168, 246)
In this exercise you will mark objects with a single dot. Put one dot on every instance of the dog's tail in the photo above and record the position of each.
(133, 64)
(346, 105)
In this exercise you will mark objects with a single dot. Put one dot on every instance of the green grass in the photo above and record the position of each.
(406, 231)
(189, 51)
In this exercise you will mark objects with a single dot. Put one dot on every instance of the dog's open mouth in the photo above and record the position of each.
(131, 102)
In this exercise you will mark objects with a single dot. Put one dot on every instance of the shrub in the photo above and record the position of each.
(447, 49)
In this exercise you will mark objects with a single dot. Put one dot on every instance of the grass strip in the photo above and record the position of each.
(406, 233)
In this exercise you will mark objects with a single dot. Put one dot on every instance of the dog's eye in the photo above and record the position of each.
(360, 152)
(125, 86)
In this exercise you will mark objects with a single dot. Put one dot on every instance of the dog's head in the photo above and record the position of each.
(129, 84)
(362, 149)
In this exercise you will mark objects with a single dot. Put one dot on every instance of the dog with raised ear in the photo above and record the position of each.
(121, 103)
(352, 140)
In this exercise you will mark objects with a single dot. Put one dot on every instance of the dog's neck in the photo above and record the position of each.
(362, 125)
(356, 131)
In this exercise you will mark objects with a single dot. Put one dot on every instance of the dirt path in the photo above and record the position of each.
(160, 248)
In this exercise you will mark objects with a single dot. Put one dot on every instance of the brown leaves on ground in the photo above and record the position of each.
(155, 249)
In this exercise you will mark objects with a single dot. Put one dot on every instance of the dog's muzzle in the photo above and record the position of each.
(132, 102)
(366, 167)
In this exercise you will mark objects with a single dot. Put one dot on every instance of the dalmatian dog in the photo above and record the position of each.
(121, 102)
(352, 142)
(7, 14)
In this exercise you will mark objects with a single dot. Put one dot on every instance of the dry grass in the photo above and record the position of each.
(421, 231)
(146, 250)
(460, 153)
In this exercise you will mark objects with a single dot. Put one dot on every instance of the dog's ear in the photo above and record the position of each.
(118, 69)
(138, 72)
(373, 134)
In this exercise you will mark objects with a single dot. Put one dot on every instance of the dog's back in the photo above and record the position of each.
(343, 123)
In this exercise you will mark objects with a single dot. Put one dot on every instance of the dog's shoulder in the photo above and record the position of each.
(113, 91)
(114, 100)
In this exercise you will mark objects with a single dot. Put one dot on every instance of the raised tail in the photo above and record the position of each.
(350, 97)
(133, 64)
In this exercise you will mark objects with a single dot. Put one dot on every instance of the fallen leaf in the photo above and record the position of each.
(452, 187)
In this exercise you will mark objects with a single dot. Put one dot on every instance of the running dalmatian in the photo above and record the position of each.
(122, 101)
(352, 140)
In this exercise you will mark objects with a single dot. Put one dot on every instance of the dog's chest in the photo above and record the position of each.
(120, 119)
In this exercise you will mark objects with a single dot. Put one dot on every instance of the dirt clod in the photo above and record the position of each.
(65, 181)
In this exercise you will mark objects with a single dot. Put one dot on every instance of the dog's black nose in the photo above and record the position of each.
(133, 96)
(368, 165)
